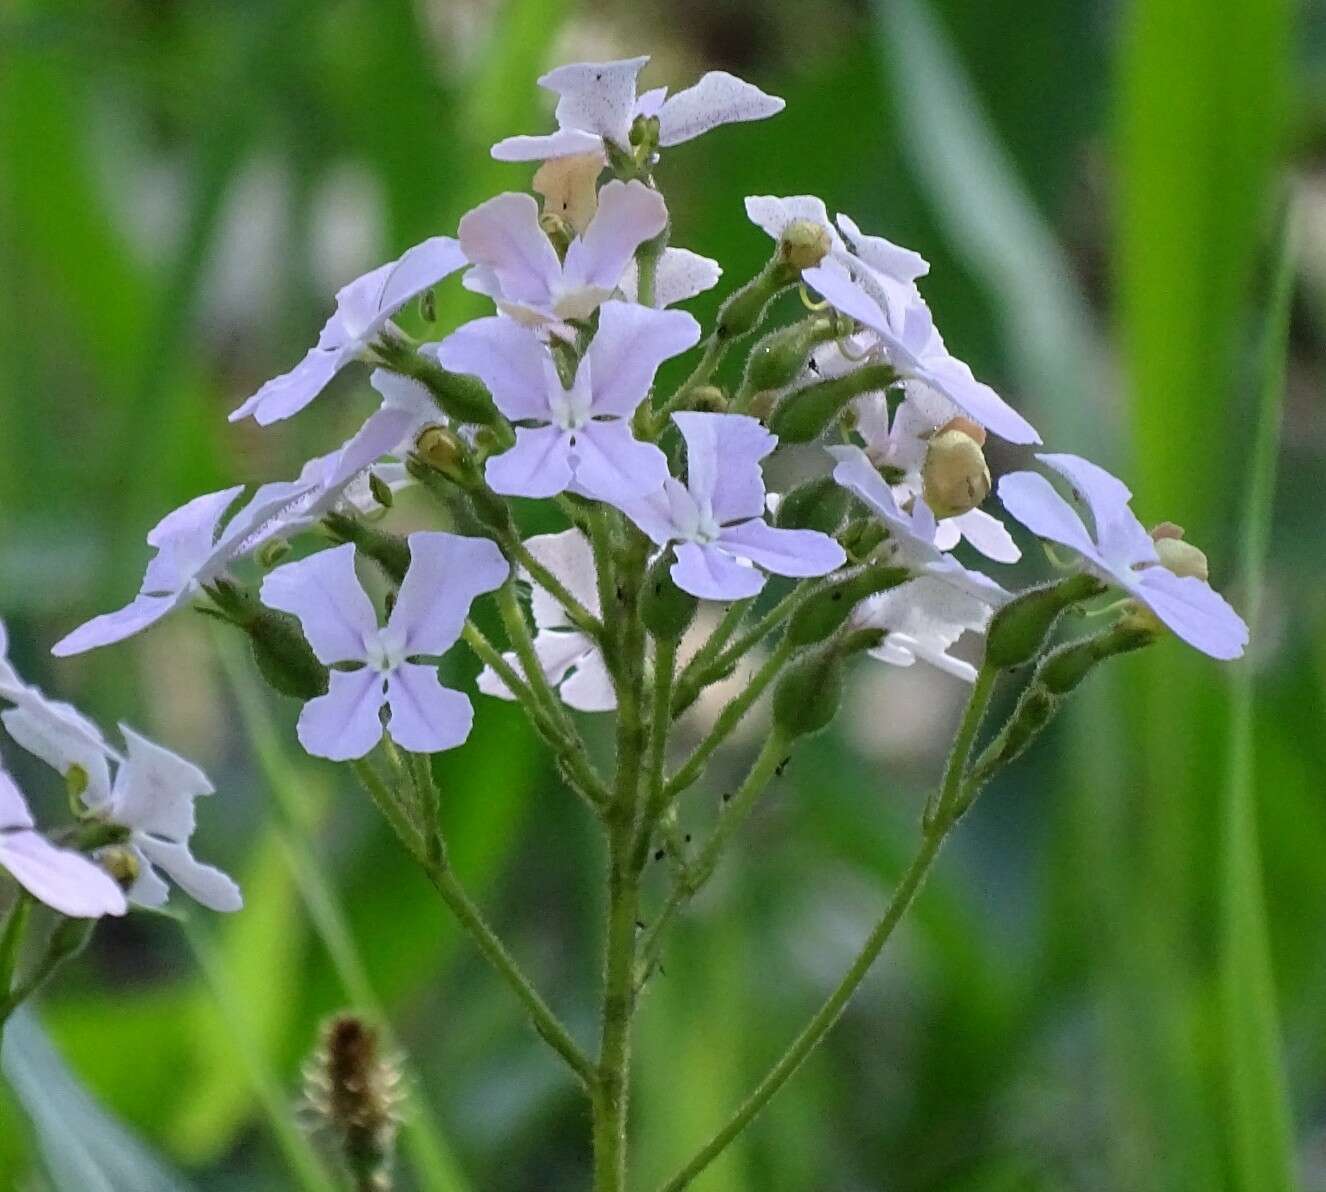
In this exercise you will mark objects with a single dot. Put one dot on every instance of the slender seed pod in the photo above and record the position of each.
(807, 696)
(1065, 667)
(389, 551)
(779, 358)
(805, 413)
(742, 311)
(460, 397)
(282, 653)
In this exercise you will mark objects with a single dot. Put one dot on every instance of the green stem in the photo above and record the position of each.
(731, 818)
(690, 685)
(11, 939)
(714, 350)
(580, 616)
(569, 749)
(611, 1094)
(824, 1018)
(665, 667)
(727, 721)
(943, 801)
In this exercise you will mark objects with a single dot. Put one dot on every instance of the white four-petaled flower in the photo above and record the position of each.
(580, 438)
(597, 103)
(715, 517)
(447, 573)
(1121, 552)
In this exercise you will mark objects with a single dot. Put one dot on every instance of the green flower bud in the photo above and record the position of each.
(492, 511)
(381, 491)
(861, 537)
(391, 552)
(280, 650)
(824, 612)
(819, 504)
(804, 244)
(742, 311)
(461, 397)
(807, 696)
(709, 399)
(1019, 629)
(805, 413)
(954, 476)
(778, 359)
(1036, 707)
(442, 448)
(1065, 667)
(665, 610)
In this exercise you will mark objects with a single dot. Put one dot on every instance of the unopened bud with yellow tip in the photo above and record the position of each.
(804, 244)
(955, 478)
(442, 448)
(1179, 556)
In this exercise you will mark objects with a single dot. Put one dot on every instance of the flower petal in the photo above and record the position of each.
(597, 97)
(610, 465)
(629, 213)
(109, 628)
(418, 269)
(718, 98)
(723, 454)
(885, 257)
(666, 514)
(539, 465)
(425, 716)
(64, 880)
(1194, 611)
(14, 811)
(325, 594)
(155, 789)
(205, 884)
(286, 395)
(987, 534)
(679, 275)
(504, 235)
(784, 552)
(507, 357)
(569, 556)
(345, 723)
(63, 738)
(711, 574)
(1119, 535)
(566, 142)
(590, 688)
(630, 344)
(447, 573)
(1037, 504)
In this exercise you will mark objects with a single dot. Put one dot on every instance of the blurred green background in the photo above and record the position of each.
(1117, 979)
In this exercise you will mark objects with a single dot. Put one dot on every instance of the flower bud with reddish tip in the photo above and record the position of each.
(955, 478)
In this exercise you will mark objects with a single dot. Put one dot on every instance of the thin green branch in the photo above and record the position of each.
(688, 686)
(579, 615)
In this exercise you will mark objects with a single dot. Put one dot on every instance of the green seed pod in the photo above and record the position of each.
(461, 397)
(708, 399)
(1019, 629)
(742, 311)
(1064, 668)
(280, 650)
(805, 413)
(667, 611)
(807, 697)
(819, 504)
(826, 611)
(389, 551)
(1035, 709)
(778, 358)
(861, 537)
(491, 511)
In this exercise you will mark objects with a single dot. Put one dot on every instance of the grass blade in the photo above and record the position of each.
(1259, 1112)
(82, 1147)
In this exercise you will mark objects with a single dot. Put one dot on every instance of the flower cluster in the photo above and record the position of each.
(135, 813)
(664, 482)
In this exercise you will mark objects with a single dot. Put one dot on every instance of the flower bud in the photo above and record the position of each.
(1182, 558)
(665, 610)
(778, 359)
(807, 696)
(1064, 668)
(861, 537)
(391, 552)
(804, 244)
(1018, 630)
(442, 448)
(355, 1092)
(742, 311)
(280, 650)
(460, 396)
(954, 476)
(819, 504)
(121, 863)
(805, 413)
(824, 612)
(380, 490)
(708, 399)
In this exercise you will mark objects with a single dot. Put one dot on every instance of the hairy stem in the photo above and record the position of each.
(955, 768)
(688, 686)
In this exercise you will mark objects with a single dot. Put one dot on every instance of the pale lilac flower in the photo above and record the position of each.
(597, 103)
(1121, 552)
(887, 271)
(516, 265)
(908, 340)
(679, 275)
(922, 619)
(911, 533)
(363, 310)
(152, 796)
(571, 660)
(447, 573)
(64, 880)
(898, 448)
(715, 517)
(581, 437)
